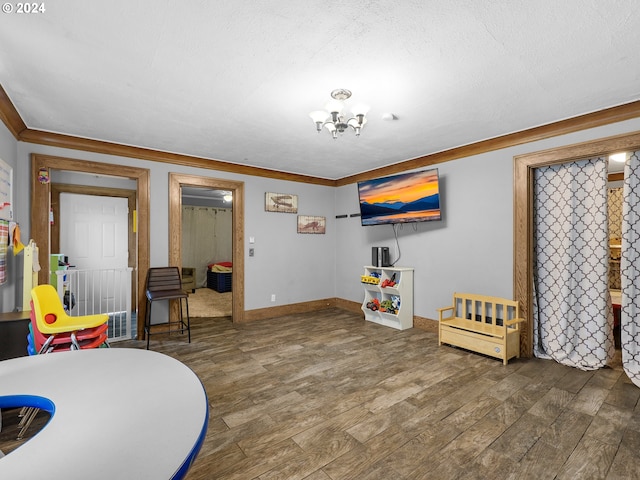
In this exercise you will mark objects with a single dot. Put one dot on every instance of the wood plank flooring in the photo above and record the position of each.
(327, 396)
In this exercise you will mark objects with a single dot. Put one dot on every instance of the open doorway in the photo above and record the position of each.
(42, 205)
(92, 227)
(524, 168)
(178, 182)
(207, 250)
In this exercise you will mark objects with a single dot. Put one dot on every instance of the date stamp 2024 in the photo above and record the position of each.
(23, 8)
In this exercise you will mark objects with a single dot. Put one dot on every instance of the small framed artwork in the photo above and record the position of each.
(311, 224)
(281, 202)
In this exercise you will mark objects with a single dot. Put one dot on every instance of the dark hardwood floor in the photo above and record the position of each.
(329, 396)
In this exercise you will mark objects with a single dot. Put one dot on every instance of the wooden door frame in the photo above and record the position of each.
(176, 182)
(523, 176)
(41, 206)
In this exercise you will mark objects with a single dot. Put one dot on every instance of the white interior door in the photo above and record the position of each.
(93, 231)
(94, 235)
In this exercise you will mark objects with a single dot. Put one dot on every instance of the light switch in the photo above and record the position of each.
(252, 239)
(251, 252)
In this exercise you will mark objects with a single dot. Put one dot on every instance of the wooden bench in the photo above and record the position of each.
(483, 324)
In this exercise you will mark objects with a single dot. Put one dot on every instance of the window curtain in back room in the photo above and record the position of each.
(572, 313)
(630, 270)
(207, 237)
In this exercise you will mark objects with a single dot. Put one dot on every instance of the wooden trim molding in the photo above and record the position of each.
(422, 323)
(615, 177)
(290, 309)
(176, 182)
(41, 206)
(347, 305)
(426, 324)
(108, 148)
(10, 116)
(523, 175)
(582, 122)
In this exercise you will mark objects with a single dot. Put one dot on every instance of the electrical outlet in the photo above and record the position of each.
(273, 297)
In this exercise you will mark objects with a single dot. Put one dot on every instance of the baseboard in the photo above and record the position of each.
(422, 323)
(426, 324)
(348, 305)
(291, 309)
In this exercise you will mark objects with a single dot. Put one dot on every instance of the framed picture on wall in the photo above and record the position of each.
(312, 224)
(281, 202)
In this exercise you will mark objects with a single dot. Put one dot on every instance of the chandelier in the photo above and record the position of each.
(335, 119)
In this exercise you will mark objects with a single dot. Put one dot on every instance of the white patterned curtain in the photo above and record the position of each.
(572, 313)
(630, 270)
(615, 236)
(206, 238)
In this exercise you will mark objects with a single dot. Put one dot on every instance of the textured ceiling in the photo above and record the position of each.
(235, 80)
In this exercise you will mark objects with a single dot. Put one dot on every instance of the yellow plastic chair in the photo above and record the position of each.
(52, 319)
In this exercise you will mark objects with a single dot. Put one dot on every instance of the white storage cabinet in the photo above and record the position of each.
(377, 295)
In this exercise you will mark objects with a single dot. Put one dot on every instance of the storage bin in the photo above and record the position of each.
(219, 281)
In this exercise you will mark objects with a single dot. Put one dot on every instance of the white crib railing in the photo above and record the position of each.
(85, 292)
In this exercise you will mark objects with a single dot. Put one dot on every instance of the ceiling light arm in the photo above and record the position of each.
(358, 124)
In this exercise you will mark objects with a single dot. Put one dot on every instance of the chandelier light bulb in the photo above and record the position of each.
(319, 117)
(332, 129)
(334, 107)
(335, 120)
(357, 124)
(360, 109)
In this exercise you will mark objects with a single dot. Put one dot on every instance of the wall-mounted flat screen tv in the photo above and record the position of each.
(404, 198)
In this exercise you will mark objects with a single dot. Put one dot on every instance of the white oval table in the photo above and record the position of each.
(115, 413)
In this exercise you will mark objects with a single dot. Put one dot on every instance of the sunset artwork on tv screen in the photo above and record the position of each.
(405, 198)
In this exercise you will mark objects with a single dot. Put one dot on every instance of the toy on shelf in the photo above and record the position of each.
(395, 283)
(374, 304)
(389, 282)
(373, 278)
(395, 304)
(385, 306)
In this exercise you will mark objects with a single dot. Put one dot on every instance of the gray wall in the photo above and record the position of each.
(471, 249)
(294, 267)
(8, 153)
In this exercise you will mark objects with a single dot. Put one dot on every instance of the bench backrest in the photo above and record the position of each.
(481, 308)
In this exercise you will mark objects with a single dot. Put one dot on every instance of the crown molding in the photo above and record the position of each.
(11, 118)
(563, 127)
(108, 148)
